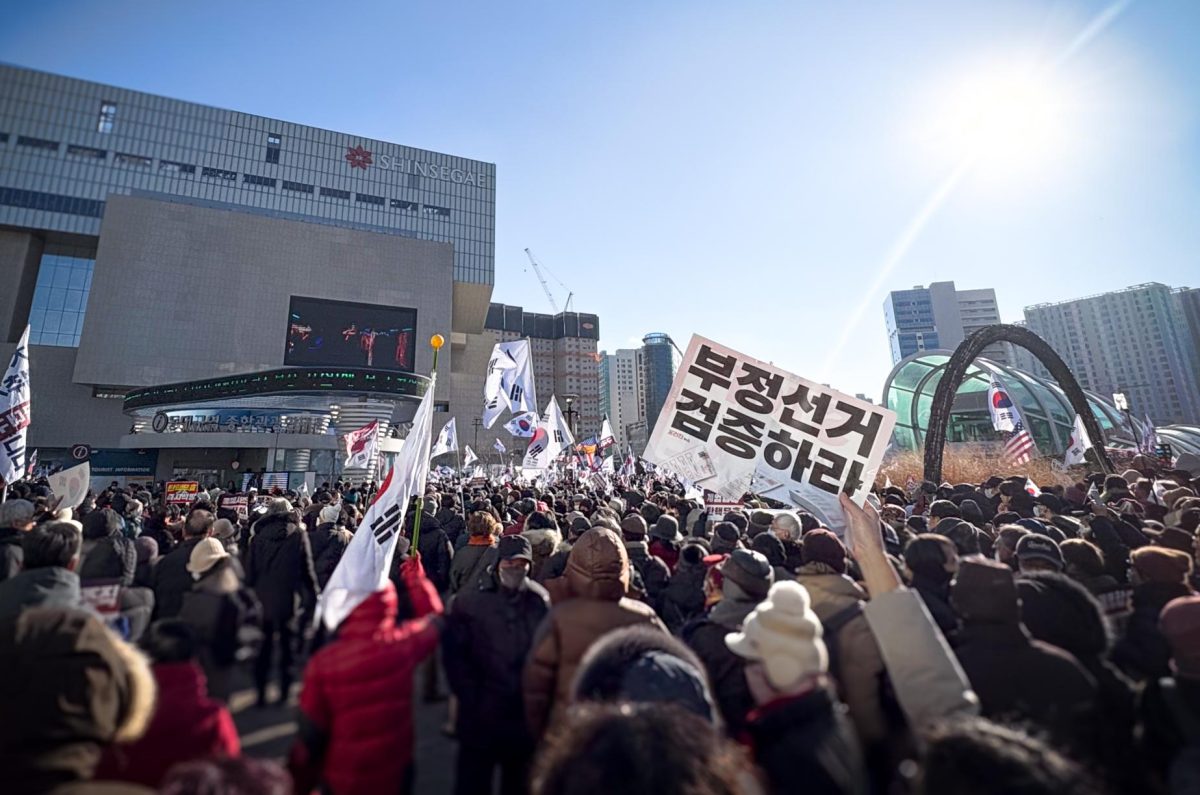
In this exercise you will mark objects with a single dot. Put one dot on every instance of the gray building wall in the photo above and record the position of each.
(182, 292)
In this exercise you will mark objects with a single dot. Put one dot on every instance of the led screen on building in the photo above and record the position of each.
(345, 334)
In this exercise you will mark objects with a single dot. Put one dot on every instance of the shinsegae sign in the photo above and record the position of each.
(358, 157)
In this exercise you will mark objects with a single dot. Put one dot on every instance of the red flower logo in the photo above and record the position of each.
(358, 157)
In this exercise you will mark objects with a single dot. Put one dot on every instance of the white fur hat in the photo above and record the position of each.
(784, 634)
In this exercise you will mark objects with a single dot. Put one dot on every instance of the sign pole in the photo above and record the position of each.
(436, 342)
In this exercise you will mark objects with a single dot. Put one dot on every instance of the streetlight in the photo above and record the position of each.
(570, 412)
(477, 422)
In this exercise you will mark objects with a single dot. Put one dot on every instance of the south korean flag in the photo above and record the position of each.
(364, 567)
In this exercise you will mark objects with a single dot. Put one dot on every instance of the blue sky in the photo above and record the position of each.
(739, 170)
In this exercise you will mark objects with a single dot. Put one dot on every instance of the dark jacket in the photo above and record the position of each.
(683, 598)
(805, 744)
(11, 553)
(936, 596)
(726, 670)
(279, 567)
(470, 563)
(227, 619)
(489, 631)
(50, 586)
(452, 524)
(112, 557)
(653, 572)
(437, 554)
(1142, 652)
(1023, 679)
(356, 711)
(793, 555)
(327, 543)
(172, 580)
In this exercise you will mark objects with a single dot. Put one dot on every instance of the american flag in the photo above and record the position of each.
(1019, 448)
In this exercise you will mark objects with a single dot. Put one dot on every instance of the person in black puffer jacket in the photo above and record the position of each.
(106, 553)
(328, 540)
(683, 598)
(933, 560)
(279, 567)
(450, 519)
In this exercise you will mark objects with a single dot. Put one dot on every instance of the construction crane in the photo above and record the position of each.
(538, 268)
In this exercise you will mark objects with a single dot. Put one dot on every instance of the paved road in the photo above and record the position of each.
(267, 733)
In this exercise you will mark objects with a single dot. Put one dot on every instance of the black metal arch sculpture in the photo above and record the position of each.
(956, 369)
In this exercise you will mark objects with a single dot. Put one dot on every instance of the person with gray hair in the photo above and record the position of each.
(16, 519)
(51, 555)
(785, 526)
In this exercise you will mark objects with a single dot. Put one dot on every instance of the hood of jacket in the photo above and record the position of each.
(598, 566)
(275, 527)
(543, 540)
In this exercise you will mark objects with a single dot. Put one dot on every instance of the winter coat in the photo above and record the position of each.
(556, 564)
(653, 572)
(1112, 595)
(805, 744)
(186, 725)
(172, 580)
(1142, 652)
(328, 542)
(936, 596)
(12, 556)
(436, 555)
(544, 543)
(452, 524)
(793, 556)
(489, 631)
(471, 562)
(683, 598)
(1169, 711)
(1019, 678)
(356, 712)
(726, 670)
(227, 620)
(112, 557)
(666, 551)
(49, 586)
(279, 567)
(597, 577)
(860, 671)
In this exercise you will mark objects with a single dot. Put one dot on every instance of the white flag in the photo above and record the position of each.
(607, 438)
(523, 424)
(14, 412)
(469, 456)
(509, 381)
(1004, 413)
(364, 566)
(361, 445)
(499, 447)
(71, 485)
(609, 466)
(447, 441)
(552, 437)
(1077, 444)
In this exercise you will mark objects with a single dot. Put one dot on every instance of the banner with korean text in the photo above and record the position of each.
(733, 424)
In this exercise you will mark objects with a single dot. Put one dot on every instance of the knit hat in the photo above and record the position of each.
(634, 526)
(515, 547)
(1158, 564)
(985, 591)
(784, 634)
(760, 522)
(1038, 547)
(223, 529)
(725, 537)
(822, 546)
(1179, 623)
(204, 556)
(750, 570)
(666, 528)
(329, 514)
(770, 548)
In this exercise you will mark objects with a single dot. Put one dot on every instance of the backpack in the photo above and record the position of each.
(832, 626)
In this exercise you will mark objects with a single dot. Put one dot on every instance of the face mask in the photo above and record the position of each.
(512, 578)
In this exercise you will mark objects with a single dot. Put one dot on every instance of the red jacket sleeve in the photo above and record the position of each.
(227, 741)
(421, 593)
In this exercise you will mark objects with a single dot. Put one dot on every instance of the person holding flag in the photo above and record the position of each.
(356, 716)
(14, 414)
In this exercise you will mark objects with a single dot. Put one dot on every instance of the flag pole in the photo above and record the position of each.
(436, 342)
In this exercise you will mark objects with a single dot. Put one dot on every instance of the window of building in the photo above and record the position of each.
(274, 140)
(124, 159)
(335, 193)
(3, 138)
(51, 202)
(401, 204)
(218, 173)
(177, 168)
(86, 151)
(108, 115)
(367, 198)
(433, 209)
(254, 179)
(37, 143)
(60, 296)
(299, 187)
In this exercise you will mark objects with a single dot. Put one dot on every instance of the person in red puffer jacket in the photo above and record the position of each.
(187, 724)
(356, 731)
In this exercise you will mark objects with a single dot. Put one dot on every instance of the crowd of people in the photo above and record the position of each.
(974, 637)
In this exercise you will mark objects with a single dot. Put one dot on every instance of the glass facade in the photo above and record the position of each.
(68, 144)
(60, 296)
(1048, 414)
(659, 363)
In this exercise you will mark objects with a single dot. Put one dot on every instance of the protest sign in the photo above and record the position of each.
(236, 502)
(182, 492)
(733, 424)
